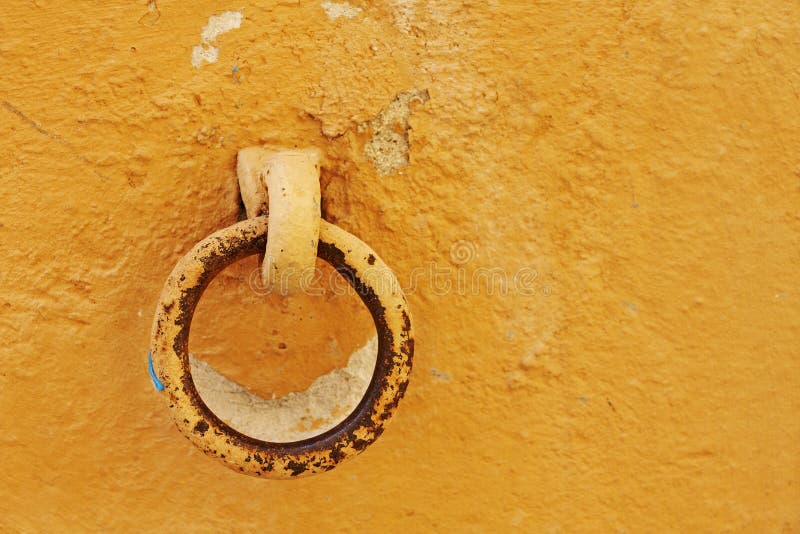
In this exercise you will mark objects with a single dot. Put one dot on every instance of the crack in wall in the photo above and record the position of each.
(53, 136)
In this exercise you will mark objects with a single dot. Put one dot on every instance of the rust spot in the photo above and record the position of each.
(406, 322)
(201, 427)
(297, 468)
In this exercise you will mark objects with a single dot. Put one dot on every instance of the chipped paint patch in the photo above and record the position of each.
(220, 24)
(216, 26)
(201, 53)
(335, 10)
(388, 147)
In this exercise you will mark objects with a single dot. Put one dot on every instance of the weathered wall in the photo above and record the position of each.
(642, 158)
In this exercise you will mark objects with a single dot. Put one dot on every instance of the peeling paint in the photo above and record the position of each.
(201, 53)
(334, 10)
(388, 146)
(216, 26)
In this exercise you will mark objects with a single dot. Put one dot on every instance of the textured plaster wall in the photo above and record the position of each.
(642, 157)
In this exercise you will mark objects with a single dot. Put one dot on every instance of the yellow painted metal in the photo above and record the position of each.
(379, 290)
(287, 180)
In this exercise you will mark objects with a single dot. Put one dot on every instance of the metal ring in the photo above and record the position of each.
(375, 284)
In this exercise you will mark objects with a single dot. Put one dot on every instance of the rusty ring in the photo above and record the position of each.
(375, 284)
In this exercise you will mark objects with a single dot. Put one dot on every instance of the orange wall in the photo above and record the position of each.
(642, 157)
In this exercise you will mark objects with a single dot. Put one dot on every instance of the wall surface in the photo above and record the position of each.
(638, 162)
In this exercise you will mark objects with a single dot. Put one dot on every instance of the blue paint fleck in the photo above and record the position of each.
(156, 382)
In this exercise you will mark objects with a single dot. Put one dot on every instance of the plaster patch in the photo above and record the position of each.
(216, 26)
(326, 402)
(388, 147)
(343, 9)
